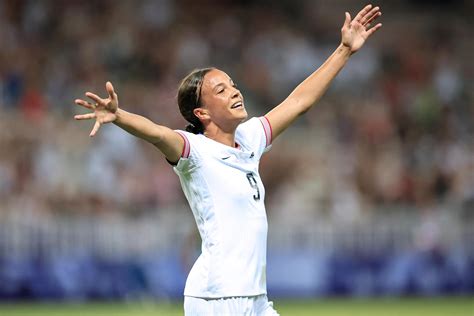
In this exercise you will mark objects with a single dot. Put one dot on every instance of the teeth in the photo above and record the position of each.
(236, 105)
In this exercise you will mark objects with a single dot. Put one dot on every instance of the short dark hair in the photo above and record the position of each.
(189, 98)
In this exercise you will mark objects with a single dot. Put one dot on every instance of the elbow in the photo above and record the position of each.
(303, 110)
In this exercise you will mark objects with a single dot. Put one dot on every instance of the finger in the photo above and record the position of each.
(372, 18)
(94, 97)
(369, 15)
(362, 12)
(95, 129)
(374, 29)
(85, 104)
(347, 21)
(87, 116)
(110, 90)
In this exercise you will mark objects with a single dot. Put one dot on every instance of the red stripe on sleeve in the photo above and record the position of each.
(186, 147)
(267, 129)
(271, 130)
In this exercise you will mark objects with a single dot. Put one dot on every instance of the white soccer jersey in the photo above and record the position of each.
(223, 187)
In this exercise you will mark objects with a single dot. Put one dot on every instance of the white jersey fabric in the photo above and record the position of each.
(226, 195)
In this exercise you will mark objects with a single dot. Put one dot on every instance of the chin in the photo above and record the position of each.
(244, 116)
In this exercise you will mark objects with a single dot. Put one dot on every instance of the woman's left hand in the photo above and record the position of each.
(355, 32)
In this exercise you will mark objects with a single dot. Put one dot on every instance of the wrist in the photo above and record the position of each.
(118, 114)
(344, 50)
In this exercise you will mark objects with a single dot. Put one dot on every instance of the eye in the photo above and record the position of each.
(220, 91)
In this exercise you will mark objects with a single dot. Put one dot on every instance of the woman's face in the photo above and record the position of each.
(222, 101)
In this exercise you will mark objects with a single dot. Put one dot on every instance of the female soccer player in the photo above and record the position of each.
(217, 161)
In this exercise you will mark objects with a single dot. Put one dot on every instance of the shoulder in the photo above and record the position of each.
(255, 132)
(256, 125)
(192, 142)
(250, 123)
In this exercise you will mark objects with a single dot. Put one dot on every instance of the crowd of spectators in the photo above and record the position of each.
(395, 130)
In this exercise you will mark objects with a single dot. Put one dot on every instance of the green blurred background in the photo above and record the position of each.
(326, 307)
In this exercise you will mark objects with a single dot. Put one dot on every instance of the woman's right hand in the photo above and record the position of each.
(104, 110)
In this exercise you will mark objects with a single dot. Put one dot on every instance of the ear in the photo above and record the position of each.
(201, 114)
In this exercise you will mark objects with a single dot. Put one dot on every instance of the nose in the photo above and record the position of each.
(235, 93)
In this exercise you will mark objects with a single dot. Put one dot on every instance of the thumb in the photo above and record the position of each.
(110, 90)
(347, 21)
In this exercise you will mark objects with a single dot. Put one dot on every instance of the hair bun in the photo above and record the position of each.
(193, 129)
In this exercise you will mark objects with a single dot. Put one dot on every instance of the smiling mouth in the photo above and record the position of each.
(237, 105)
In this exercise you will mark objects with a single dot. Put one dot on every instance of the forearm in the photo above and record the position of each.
(354, 33)
(169, 142)
(139, 126)
(307, 93)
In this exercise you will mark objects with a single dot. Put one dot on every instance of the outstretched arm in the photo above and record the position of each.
(104, 111)
(354, 34)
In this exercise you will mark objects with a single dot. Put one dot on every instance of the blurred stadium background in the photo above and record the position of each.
(370, 195)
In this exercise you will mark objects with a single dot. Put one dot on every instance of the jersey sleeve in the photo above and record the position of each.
(190, 155)
(255, 134)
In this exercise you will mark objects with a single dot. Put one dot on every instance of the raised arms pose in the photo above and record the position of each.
(217, 161)
(354, 33)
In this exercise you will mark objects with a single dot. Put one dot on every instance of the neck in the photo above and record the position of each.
(220, 136)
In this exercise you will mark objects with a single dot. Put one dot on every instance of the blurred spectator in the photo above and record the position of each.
(395, 129)
(394, 133)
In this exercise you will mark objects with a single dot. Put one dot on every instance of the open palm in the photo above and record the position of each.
(355, 32)
(104, 110)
